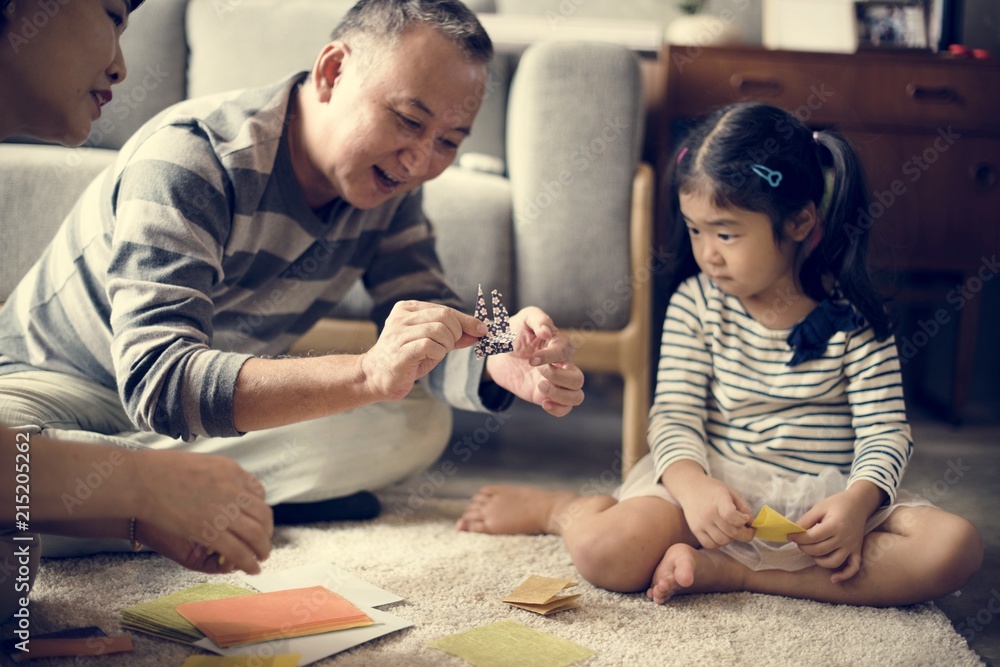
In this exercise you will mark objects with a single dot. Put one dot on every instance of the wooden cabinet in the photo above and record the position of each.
(927, 128)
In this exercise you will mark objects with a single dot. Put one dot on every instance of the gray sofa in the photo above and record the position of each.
(548, 201)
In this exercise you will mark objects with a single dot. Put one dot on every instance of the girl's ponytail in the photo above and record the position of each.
(843, 249)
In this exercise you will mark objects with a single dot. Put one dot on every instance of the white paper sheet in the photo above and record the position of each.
(341, 582)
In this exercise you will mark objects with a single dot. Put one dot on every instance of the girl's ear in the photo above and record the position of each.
(799, 226)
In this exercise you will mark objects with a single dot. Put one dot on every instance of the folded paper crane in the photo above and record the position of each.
(499, 338)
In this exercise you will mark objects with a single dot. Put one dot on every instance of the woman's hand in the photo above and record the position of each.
(188, 504)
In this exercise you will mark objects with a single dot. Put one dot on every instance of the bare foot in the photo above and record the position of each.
(686, 570)
(515, 510)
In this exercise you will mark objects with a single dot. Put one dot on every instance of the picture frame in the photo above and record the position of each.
(942, 28)
(892, 24)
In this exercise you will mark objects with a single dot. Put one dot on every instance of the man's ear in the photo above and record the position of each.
(799, 226)
(328, 67)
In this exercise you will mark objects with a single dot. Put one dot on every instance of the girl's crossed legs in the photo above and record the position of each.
(614, 544)
(643, 543)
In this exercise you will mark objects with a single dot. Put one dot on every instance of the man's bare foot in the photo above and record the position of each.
(686, 570)
(515, 510)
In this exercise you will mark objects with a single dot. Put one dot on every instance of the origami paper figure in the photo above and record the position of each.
(774, 527)
(499, 338)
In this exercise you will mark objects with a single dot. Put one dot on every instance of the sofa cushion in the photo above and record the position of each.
(571, 167)
(226, 38)
(40, 186)
(471, 214)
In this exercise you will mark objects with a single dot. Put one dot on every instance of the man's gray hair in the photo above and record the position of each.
(388, 19)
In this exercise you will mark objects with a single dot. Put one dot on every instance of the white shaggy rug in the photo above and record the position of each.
(453, 581)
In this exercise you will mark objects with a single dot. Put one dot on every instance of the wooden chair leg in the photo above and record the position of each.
(635, 419)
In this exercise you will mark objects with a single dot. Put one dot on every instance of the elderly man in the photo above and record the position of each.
(228, 226)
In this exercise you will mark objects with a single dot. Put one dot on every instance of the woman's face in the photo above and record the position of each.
(58, 62)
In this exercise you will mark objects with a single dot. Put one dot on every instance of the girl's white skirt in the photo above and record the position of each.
(791, 495)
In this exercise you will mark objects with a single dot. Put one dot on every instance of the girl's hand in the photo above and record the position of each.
(835, 530)
(716, 514)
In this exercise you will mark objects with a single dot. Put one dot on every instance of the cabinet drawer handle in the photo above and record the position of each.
(759, 86)
(983, 174)
(930, 93)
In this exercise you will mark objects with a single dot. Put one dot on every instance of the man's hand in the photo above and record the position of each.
(188, 504)
(540, 369)
(835, 529)
(416, 337)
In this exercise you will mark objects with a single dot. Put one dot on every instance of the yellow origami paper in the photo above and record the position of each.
(540, 595)
(773, 527)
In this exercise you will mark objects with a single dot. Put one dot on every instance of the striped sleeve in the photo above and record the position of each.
(677, 418)
(407, 266)
(875, 392)
(173, 209)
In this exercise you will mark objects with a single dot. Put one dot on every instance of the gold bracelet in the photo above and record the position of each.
(136, 544)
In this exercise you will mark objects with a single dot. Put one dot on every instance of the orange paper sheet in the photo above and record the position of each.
(265, 616)
(774, 527)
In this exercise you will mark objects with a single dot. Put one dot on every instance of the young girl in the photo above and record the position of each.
(778, 384)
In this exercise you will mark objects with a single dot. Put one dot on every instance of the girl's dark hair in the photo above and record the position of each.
(718, 158)
(388, 19)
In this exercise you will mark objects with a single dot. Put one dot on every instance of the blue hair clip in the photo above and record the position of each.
(772, 177)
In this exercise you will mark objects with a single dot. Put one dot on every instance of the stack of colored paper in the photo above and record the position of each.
(277, 615)
(159, 617)
(539, 594)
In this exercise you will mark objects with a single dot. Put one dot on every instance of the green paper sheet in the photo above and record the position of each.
(511, 644)
(159, 617)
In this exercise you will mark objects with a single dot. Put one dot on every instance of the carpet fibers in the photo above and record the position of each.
(453, 581)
